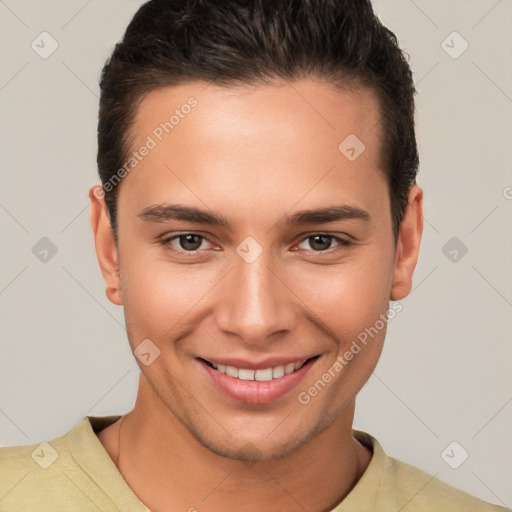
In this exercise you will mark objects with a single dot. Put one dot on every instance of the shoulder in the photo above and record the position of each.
(31, 472)
(18, 461)
(426, 492)
(47, 475)
(397, 485)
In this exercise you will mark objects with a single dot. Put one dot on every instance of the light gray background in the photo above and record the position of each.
(445, 371)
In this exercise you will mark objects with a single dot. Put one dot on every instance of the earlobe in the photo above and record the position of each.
(408, 245)
(106, 249)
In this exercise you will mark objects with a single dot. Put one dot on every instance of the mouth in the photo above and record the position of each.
(260, 375)
(257, 385)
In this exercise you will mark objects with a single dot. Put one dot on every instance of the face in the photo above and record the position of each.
(251, 247)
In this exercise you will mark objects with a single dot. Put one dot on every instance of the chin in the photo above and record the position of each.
(259, 447)
(252, 451)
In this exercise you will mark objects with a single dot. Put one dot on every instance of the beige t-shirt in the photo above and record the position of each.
(74, 473)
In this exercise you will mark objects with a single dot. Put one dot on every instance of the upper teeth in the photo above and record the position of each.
(260, 375)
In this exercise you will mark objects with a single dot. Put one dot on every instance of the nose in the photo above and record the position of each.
(255, 301)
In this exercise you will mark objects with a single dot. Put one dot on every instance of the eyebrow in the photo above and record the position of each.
(165, 212)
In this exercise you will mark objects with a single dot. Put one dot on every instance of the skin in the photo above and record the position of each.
(254, 155)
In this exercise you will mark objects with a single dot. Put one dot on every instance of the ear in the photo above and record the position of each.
(408, 244)
(106, 250)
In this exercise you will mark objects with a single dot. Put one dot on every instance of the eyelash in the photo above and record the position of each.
(343, 243)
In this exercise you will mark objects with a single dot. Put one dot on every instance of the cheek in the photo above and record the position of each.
(352, 304)
(347, 298)
(158, 295)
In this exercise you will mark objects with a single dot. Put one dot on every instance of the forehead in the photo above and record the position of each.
(254, 143)
(315, 109)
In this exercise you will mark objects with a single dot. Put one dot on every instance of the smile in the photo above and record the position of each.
(257, 385)
(260, 375)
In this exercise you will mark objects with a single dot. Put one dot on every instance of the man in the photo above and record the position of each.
(258, 212)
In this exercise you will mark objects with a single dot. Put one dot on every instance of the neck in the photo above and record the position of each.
(167, 468)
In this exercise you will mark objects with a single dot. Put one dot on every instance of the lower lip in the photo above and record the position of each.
(257, 392)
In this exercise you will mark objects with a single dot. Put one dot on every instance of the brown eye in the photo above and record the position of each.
(190, 242)
(187, 242)
(320, 242)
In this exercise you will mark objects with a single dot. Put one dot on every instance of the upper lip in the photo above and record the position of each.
(270, 362)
